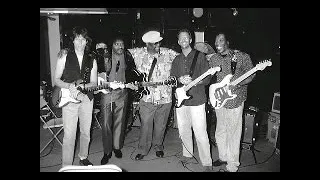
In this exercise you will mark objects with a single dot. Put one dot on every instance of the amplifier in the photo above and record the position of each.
(248, 132)
(273, 127)
(278, 143)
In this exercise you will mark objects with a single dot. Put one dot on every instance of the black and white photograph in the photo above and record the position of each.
(160, 90)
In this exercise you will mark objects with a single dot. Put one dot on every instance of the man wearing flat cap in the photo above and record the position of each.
(154, 108)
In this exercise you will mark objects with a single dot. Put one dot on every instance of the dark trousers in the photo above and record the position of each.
(113, 127)
(154, 119)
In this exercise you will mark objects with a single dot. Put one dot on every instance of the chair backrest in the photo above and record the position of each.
(53, 123)
(102, 168)
(43, 102)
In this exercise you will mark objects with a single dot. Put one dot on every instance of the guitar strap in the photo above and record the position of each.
(195, 58)
(152, 68)
(233, 64)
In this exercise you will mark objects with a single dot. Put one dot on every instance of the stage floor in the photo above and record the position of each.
(50, 159)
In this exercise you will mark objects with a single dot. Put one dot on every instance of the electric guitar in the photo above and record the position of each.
(180, 92)
(107, 87)
(219, 93)
(141, 82)
(62, 96)
(143, 86)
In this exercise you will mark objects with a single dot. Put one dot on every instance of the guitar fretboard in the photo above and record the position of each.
(95, 88)
(251, 71)
(194, 82)
(243, 77)
(151, 83)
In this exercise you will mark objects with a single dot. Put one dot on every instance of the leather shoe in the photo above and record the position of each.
(85, 162)
(105, 159)
(159, 154)
(219, 163)
(117, 153)
(139, 157)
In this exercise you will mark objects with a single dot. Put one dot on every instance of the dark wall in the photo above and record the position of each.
(255, 31)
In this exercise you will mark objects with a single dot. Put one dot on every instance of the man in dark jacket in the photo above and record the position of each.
(119, 67)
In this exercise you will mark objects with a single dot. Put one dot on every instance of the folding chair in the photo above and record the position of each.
(55, 122)
(96, 108)
(95, 114)
(102, 168)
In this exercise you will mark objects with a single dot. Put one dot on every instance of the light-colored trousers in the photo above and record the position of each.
(194, 117)
(70, 115)
(228, 135)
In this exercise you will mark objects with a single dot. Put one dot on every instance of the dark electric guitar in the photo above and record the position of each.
(143, 84)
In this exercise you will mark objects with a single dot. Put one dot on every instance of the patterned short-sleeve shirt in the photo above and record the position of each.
(143, 60)
(244, 64)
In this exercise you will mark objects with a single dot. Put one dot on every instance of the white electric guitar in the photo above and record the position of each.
(181, 91)
(63, 95)
(219, 93)
(104, 86)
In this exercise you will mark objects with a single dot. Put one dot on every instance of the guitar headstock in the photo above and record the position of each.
(262, 65)
(213, 70)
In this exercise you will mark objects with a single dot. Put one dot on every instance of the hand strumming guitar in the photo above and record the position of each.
(232, 87)
(73, 90)
(186, 79)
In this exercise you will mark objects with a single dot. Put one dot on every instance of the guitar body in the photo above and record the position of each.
(219, 93)
(181, 92)
(142, 90)
(181, 96)
(142, 84)
(66, 98)
(61, 97)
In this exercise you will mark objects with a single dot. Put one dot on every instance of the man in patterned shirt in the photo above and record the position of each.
(229, 117)
(154, 108)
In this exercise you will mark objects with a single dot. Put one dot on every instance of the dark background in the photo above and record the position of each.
(255, 31)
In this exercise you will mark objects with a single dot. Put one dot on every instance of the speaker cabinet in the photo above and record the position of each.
(278, 142)
(273, 127)
(249, 128)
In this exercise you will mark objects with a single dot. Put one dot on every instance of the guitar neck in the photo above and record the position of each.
(95, 88)
(243, 77)
(197, 80)
(151, 83)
